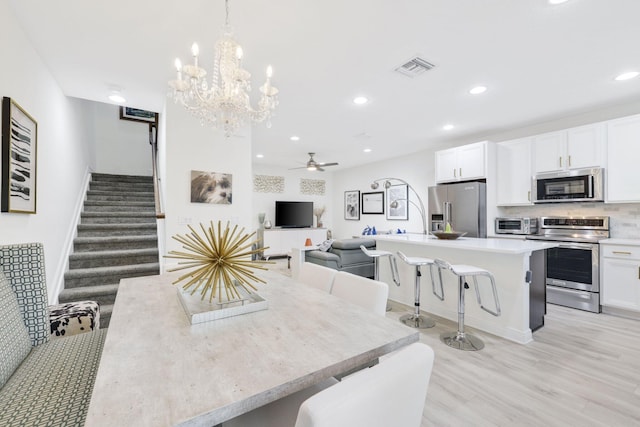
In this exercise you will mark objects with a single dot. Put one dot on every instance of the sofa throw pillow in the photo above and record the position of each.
(15, 343)
(326, 245)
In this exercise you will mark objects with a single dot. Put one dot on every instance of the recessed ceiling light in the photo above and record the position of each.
(259, 156)
(627, 76)
(117, 97)
(448, 127)
(557, 1)
(478, 90)
(360, 100)
(295, 138)
(367, 150)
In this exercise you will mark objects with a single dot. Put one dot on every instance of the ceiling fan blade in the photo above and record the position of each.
(318, 168)
(301, 167)
(328, 164)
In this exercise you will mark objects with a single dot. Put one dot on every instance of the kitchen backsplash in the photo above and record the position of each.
(624, 219)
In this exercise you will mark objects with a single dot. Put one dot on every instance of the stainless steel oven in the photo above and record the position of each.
(573, 267)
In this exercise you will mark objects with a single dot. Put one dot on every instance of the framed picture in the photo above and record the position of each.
(19, 159)
(136, 115)
(398, 202)
(211, 187)
(373, 203)
(352, 205)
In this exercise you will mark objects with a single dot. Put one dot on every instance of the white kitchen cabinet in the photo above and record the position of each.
(462, 163)
(620, 275)
(513, 172)
(574, 148)
(623, 152)
(280, 241)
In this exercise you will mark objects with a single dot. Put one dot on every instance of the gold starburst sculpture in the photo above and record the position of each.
(218, 261)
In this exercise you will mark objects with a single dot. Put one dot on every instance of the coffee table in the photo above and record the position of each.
(159, 370)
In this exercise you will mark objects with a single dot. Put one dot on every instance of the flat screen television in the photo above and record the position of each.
(294, 214)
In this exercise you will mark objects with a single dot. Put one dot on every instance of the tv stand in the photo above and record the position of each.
(281, 240)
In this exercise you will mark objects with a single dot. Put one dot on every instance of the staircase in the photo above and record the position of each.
(116, 238)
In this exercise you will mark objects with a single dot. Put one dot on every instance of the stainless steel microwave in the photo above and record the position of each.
(516, 225)
(578, 185)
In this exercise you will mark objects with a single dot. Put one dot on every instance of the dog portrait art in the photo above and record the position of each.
(211, 187)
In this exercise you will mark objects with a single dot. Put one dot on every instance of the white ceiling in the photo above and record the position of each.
(539, 62)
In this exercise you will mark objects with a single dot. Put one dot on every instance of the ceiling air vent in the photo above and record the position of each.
(414, 67)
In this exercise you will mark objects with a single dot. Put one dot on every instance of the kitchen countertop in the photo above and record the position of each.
(507, 246)
(632, 242)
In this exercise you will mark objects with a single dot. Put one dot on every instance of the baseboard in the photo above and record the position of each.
(56, 287)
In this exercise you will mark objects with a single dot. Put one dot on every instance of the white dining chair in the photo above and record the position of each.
(318, 276)
(391, 393)
(367, 293)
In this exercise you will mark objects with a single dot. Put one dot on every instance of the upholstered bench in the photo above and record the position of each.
(43, 381)
(346, 255)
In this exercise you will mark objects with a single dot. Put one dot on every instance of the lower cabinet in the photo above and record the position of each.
(280, 241)
(620, 276)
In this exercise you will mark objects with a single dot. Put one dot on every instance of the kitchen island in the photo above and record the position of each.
(509, 260)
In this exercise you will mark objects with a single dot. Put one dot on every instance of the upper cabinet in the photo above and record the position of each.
(513, 172)
(575, 148)
(623, 151)
(462, 163)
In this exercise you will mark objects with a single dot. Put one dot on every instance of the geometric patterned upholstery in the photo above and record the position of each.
(74, 318)
(15, 343)
(23, 265)
(53, 385)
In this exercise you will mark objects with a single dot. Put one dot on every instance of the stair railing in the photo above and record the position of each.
(153, 140)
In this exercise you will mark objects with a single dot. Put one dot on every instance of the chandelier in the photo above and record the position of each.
(223, 101)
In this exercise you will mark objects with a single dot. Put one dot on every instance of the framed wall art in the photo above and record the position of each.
(211, 187)
(373, 203)
(19, 159)
(137, 115)
(398, 202)
(352, 205)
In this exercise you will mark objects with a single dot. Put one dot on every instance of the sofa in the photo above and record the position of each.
(45, 379)
(346, 255)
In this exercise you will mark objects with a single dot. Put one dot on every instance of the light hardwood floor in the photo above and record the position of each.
(583, 369)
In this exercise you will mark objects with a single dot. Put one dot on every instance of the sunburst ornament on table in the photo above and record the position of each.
(218, 261)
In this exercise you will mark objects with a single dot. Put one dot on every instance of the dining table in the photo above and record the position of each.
(159, 369)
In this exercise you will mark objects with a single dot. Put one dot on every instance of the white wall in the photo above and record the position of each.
(417, 169)
(265, 202)
(122, 146)
(189, 146)
(64, 150)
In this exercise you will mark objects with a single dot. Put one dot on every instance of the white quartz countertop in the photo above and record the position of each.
(510, 246)
(615, 241)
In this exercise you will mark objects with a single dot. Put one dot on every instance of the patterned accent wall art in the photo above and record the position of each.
(268, 184)
(314, 187)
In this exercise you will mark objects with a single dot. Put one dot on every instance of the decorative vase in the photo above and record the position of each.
(261, 216)
(267, 224)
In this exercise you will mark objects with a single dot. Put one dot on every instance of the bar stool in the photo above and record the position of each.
(460, 339)
(417, 320)
(376, 254)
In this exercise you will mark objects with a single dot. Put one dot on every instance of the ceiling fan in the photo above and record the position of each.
(312, 165)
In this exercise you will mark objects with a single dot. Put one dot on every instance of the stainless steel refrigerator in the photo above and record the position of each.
(463, 205)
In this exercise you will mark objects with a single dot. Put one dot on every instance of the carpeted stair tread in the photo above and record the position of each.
(152, 267)
(87, 292)
(117, 229)
(117, 217)
(121, 186)
(118, 196)
(110, 258)
(119, 178)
